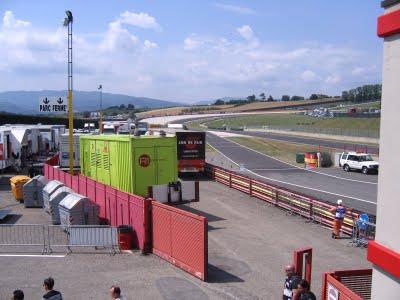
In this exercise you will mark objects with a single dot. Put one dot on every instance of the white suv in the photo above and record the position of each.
(358, 161)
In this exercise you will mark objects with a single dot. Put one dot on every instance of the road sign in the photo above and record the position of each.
(53, 104)
(333, 293)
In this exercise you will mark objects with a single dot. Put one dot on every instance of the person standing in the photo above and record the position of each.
(291, 282)
(18, 295)
(304, 292)
(339, 212)
(115, 293)
(51, 294)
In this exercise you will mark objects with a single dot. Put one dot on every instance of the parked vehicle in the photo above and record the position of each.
(358, 161)
(191, 151)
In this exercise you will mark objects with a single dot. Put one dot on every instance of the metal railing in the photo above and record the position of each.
(47, 238)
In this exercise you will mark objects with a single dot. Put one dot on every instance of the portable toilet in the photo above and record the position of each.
(33, 191)
(129, 163)
(76, 209)
(48, 190)
(55, 200)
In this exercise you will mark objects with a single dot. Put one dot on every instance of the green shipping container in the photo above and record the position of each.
(129, 163)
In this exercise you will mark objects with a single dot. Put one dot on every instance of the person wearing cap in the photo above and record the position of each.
(291, 283)
(339, 211)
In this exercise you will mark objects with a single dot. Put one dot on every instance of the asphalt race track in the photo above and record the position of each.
(357, 190)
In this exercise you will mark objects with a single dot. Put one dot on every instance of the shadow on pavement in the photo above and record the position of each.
(210, 217)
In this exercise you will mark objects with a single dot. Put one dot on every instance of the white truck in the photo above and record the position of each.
(358, 161)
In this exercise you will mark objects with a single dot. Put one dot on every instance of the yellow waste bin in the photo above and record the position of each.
(17, 183)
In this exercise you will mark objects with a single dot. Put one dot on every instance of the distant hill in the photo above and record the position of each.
(26, 102)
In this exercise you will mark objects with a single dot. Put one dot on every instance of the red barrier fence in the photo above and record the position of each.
(347, 285)
(180, 237)
(175, 235)
(116, 207)
(295, 203)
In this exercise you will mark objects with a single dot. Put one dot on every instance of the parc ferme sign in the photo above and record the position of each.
(53, 104)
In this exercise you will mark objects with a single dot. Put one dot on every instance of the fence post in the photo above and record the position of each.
(230, 180)
(250, 187)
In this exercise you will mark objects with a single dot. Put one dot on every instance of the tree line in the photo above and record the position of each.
(366, 92)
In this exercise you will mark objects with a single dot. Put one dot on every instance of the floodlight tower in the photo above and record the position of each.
(68, 23)
(101, 109)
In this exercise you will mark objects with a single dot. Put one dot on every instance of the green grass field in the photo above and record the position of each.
(294, 120)
(281, 150)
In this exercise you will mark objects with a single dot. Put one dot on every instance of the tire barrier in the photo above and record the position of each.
(295, 203)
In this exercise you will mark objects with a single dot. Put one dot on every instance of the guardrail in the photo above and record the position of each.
(293, 202)
(48, 237)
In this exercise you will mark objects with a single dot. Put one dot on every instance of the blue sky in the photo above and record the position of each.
(192, 50)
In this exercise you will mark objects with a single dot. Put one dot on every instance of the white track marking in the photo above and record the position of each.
(309, 188)
(297, 185)
(32, 255)
(306, 170)
(283, 169)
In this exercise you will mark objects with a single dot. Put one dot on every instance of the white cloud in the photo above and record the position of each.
(309, 75)
(118, 38)
(149, 45)
(246, 32)
(333, 79)
(191, 43)
(215, 66)
(235, 9)
(9, 21)
(142, 20)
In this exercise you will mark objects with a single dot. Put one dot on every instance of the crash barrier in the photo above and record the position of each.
(364, 231)
(177, 236)
(48, 237)
(116, 207)
(181, 238)
(295, 203)
(346, 285)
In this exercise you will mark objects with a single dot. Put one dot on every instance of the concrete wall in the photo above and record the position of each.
(385, 286)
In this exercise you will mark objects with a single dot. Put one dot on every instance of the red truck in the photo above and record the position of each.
(191, 151)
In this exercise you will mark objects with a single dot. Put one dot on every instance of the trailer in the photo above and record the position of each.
(5, 148)
(191, 151)
(129, 163)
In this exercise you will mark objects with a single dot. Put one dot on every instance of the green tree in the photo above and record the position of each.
(314, 97)
(219, 102)
(262, 96)
(297, 98)
(285, 98)
(122, 106)
(251, 98)
(270, 98)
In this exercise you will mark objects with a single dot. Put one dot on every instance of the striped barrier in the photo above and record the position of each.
(295, 203)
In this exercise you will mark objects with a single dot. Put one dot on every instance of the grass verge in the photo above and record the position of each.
(294, 120)
(280, 150)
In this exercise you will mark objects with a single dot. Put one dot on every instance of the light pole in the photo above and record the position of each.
(68, 23)
(101, 108)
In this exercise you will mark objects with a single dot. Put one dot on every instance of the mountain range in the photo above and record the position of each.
(27, 102)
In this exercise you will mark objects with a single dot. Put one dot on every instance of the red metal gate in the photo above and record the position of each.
(181, 238)
(347, 285)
